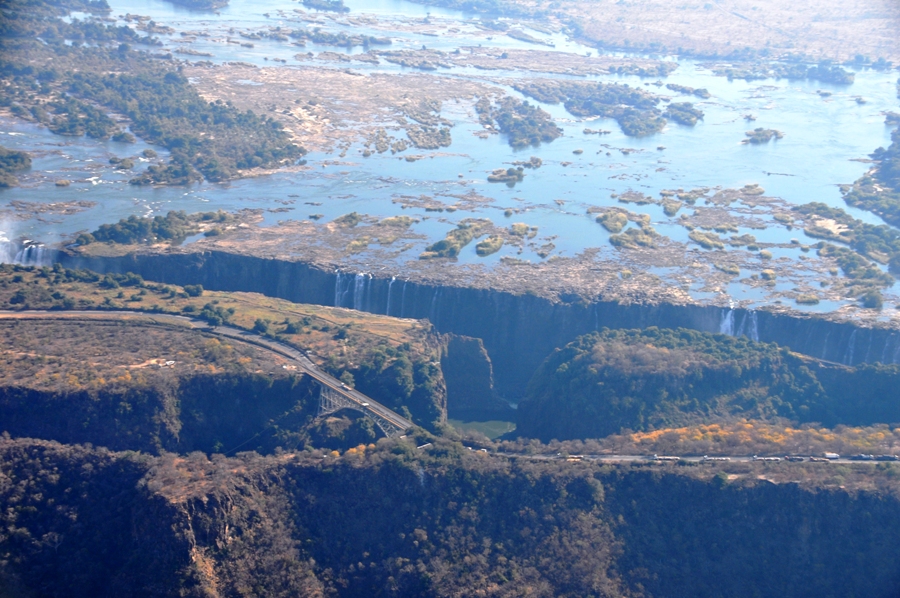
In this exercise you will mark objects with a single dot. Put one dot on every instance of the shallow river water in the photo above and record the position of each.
(824, 140)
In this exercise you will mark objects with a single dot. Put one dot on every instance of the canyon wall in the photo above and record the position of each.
(519, 331)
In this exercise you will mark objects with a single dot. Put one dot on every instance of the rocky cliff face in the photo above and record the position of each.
(685, 538)
(207, 413)
(400, 522)
(519, 331)
(470, 381)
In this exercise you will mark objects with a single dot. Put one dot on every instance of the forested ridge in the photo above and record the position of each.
(393, 520)
(648, 379)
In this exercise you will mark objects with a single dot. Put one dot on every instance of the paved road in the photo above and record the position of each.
(362, 402)
(359, 400)
(667, 458)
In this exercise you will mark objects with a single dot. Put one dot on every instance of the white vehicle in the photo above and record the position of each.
(832, 456)
(665, 458)
(364, 404)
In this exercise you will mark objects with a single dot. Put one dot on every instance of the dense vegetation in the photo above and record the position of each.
(761, 136)
(879, 191)
(457, 238)
(70, 89)
(635, 110)
(69, 507)
(393, 520)
(683, 113)
(866, 244)
(213, 138)
(827, 73)
(174, 228)
(736, 437)
(522, 123)
(12, 161)
(329, 5)
(340, 39)
(608, 381)
(201, 4)
(722, 538)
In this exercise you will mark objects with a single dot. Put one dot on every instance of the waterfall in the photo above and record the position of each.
(887, 346)
(868, 350)
(749, 326)
(387, 310)
(361, 283)
(403, 299)
(848, 356)
(337, 288)
(26, 253)
(726, 326)
(7, 252)
(433, 313)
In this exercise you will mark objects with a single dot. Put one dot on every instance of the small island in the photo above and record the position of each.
(510, 176)
(759, 136)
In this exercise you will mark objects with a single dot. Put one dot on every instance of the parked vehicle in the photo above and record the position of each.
(862, 457)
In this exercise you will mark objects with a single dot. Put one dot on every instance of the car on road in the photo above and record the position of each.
(364, 404)
(665, 458)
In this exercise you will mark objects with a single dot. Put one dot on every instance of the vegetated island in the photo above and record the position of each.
(11, 162)
(326, 5)
(69, 88)
(760, 136)
(878, 191)
(201, 4)
(634, 109)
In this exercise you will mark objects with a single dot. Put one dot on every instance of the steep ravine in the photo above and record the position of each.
(519, 331)
(399, 522)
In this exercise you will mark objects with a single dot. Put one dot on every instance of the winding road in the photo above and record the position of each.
(353, 398)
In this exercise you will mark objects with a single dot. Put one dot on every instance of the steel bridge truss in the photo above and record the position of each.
(331, 401)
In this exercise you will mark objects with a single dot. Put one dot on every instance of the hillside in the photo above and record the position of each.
(649, 379)
(140, 386)
(395, 361)
(396, 521)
